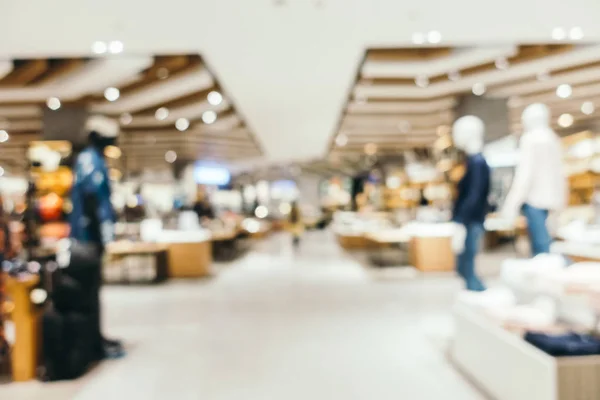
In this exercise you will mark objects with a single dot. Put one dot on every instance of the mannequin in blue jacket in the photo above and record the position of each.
(471, 205)
(92, 218)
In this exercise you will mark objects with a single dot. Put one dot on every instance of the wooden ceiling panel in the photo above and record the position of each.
(25, 72)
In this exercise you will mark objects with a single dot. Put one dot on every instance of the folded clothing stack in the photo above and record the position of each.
(565, 345)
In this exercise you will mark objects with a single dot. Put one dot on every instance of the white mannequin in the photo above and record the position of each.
(467, 134)
(539, 179)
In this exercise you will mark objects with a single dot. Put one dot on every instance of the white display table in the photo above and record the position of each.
(506, 367)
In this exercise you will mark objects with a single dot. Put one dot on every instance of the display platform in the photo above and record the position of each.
(506, 367)
(136, 262)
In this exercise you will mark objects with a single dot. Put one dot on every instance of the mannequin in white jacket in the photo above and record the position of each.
(539, 185)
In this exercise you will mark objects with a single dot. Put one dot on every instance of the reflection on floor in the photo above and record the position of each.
(277, 326)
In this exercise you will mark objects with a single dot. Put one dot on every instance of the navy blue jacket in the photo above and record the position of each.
(473, 189)
(92, 218)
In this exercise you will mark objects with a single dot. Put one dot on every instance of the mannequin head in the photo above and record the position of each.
(467, 134)
(102, 131)
(535, 116)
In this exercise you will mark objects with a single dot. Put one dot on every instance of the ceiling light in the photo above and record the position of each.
(559, 33)
(112, 152)
(341, 140)
(370, 149)
(126, 118)
(162, 73)
(162, 113)
(99, 47)
(261, 212)
(478, 89)
(564, 91)
(588, 108)
(112, 94)
(1, 171)
(182, 124)
(543, 76)
(3, 136)
(434, 37)
(565, 120)
(170, 156)
(576, 33)
(53, 103)
(214, 98)
(422, 81)
(209, 117)
(418, 38)
(404, 126)
(502, 63)
(116, 47)
(454, 75)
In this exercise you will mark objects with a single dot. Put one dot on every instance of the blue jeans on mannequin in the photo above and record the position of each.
(538, 232)
(465, 262)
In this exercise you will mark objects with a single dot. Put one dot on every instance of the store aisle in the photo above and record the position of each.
(273, 326)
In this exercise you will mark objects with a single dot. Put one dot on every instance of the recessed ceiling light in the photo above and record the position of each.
(588, 108)
(116, 47)
(565, 120)
(370, 149)
(418, 38)
(502, 63)
(404, 126)
(434, 37)
(422, 81)
(99, 47)
(53, 103)
(170, 156)
(162, 113)
(112, 94)
(214, 98)
(559, 33)
(162, 73)
(478, 89)
(341, 140)
(564, 91)
(209, 117)
(543, 75)
(576, 33)
(126, 118)
(454, 75)
(182, 124)
(3, 136)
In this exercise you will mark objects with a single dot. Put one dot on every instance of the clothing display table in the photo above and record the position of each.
(577, 251)
(190, 252)
(25, 326)
(395, 241)
(508, 368)
(136, 262)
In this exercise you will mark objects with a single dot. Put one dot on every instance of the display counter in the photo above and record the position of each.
(136, 262)
(190, 253)
(23, 328)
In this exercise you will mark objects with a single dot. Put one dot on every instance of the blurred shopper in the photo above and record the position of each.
(203, 208)
(296, 226)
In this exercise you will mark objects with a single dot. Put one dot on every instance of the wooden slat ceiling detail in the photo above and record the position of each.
(228, 137)
(406, 121)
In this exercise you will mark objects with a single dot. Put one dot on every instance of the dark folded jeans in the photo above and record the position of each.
(570, 344)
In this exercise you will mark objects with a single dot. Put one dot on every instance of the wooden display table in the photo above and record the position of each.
(577, 252)
(432, 254)
(388, 246)
(138, 262)
(25, 318)
(190, 260)
(352, 241)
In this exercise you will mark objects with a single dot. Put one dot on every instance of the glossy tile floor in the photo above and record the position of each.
(277, 325)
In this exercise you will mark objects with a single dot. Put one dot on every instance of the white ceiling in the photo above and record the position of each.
(288, 69)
